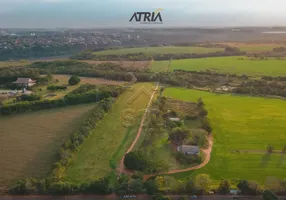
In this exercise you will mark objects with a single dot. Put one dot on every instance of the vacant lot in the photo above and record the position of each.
(235, 64)
(113, 136)
(29, 142)
(160, 50)
(242, 129)
(63, 79)
(126, 64)
(254, 47)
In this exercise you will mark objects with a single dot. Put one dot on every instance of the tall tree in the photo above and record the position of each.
(203, 182)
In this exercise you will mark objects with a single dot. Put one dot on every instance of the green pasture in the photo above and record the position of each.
(234, 64)
(242, 128)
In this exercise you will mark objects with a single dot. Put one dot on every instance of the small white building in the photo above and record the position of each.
(188, 149)
(25, 82)
(174, 119)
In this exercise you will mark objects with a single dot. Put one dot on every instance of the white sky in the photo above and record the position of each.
(37, 13)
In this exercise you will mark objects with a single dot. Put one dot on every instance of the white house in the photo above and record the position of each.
(188, 149)
(26, 82)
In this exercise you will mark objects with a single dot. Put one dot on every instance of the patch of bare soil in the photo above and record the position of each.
(125, 64)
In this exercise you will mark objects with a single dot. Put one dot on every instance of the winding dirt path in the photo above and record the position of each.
(121, 168)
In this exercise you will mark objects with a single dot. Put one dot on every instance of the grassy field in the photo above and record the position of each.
(246, 124)
(13, 63)
(271, 67)
(160, 50)
(109, 141)
(30, 142)
(254, 47)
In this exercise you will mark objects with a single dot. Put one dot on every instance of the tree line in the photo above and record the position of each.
(89, 55)
(72, 98)
(158, 186)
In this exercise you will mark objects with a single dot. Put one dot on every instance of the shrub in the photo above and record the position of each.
(206, 125)
(135, 160)
(62, 188)
(74, 80)
(187, 159)
(224, 187)
(31, 97)
(56, 87)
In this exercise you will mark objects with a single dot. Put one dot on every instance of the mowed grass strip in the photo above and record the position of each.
(160, 50)
(241, 123)
(111, 138)
(29, 142)
(233, 64)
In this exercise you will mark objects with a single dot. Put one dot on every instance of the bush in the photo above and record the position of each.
(55, 87)
(269, 195)
(135, 160)
(187, 159)
(31, 97)
(74, 80)
(62, 188)
(224, 187)
(206, 125)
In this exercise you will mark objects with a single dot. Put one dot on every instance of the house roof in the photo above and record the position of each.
(188, 148)
(23, 80)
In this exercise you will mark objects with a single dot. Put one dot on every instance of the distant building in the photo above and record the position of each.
(188, 149)
(25, 82)
(174, 119)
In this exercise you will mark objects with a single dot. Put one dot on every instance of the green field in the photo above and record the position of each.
(271, 67)
(247, 124)
(248, 47)
(110, 140)
(160, 50)
(30, 142)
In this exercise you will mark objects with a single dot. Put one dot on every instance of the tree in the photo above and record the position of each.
(248, 187)
(269, 195)
(74, 80)
(206, 125)
(121, 186)
(136, 186)
(200, 103)
(224, 187)
(150, 187)
(156, 166)
(178, 135)
(135, 160)
(203, 182)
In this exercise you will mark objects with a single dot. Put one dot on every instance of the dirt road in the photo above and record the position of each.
(121, 168)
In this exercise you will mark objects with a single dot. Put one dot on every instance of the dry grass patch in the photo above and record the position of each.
(63, 79)
(126, 64)
(29, 142)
